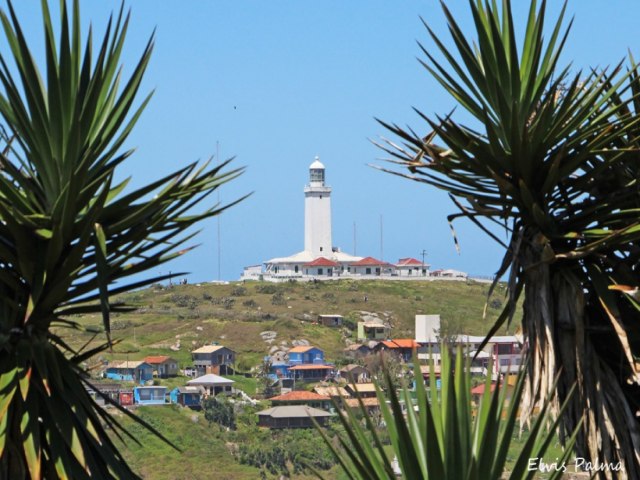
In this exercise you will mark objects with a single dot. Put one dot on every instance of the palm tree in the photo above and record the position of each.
(446, 436)
(552, 160)
(70, 237)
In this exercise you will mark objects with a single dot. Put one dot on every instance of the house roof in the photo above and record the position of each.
(210, 379)
(128, 364)
(190, 389)
(352, 366)
(367, 261)
(302, 348)
(310, 366)
(368, 402)
(401, 343)
(409, 262)
(479, 389)
(208, 349)
(332, 391)
(362, 387)
(299, 395)
(356, 346)
(321, 262)
(157, 359)
(293, 411)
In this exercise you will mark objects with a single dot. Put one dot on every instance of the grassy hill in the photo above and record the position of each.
(188, 316)
(235, 314)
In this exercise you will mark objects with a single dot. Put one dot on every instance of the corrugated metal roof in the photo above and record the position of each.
(299, 395)
(294, 411)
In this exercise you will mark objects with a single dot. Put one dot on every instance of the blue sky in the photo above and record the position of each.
(277, 83)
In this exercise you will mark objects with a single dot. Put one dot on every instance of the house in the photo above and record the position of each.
(364, 390)
(292, 416)
(401, 347)
(321, 266)
(371, 404)
(306, 354)
(410, 267)
(154, 395)
(311, 372)
(334, 392)
(125, 397)
(369, 266)
(373, 330)
(99, 391)
(213, 359)
(355, 373)
(163, 365)
(213, 384)
(330, 320)
(302, 397)
(132, 371)
(357, 350)
(189, 396)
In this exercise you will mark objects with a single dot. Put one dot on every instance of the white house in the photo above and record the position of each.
(410, 267)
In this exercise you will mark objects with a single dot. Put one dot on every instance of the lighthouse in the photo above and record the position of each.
(317, 213)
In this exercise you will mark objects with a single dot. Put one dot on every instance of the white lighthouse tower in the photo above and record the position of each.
(317, 213)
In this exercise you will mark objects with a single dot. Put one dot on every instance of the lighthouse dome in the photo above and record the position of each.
(316, 165)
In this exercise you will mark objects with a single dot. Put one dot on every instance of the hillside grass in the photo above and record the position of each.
(235, 314)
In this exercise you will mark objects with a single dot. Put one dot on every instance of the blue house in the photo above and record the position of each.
(306, 354)
(149, 395)
(132, 371)
(189, 396)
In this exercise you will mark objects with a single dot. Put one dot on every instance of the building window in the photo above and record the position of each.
(320, 248)
(319, 271)
(295, 269)
(367, 271)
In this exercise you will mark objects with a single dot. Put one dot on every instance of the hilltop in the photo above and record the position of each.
(174, 320)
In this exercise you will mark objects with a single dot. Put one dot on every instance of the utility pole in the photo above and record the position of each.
(218, 216)
(424, 253)
(381, 244)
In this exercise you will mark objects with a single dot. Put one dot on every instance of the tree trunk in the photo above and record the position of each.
(555, 328)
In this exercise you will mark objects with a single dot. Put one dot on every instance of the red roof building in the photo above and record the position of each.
(370, 266)
(410, 267)
(322, 262)
(163, 365)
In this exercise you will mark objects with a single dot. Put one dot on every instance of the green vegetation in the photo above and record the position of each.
(71, 237)
(160, 322)
(550, 158)
(448, 436)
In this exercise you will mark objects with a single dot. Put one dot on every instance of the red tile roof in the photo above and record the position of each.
(321, 262)
(366, 261)
(309, 366)
(401, 343)
(300, 395)
(479, 389)
(156, 359)
(301, 348)
(409, 261)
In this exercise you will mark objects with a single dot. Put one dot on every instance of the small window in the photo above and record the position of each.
(295, 269)
(319, 271)
(368, 271)
(320, 248)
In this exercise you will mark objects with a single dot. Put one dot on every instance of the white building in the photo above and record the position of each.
(320, 260)
(319, 257)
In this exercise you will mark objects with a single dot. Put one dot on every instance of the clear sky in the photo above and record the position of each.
(275, 83)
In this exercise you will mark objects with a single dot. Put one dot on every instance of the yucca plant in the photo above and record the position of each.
(551, 159)
(447, 436)
(70, 236)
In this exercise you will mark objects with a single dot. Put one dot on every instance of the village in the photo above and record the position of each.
(300, 384)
